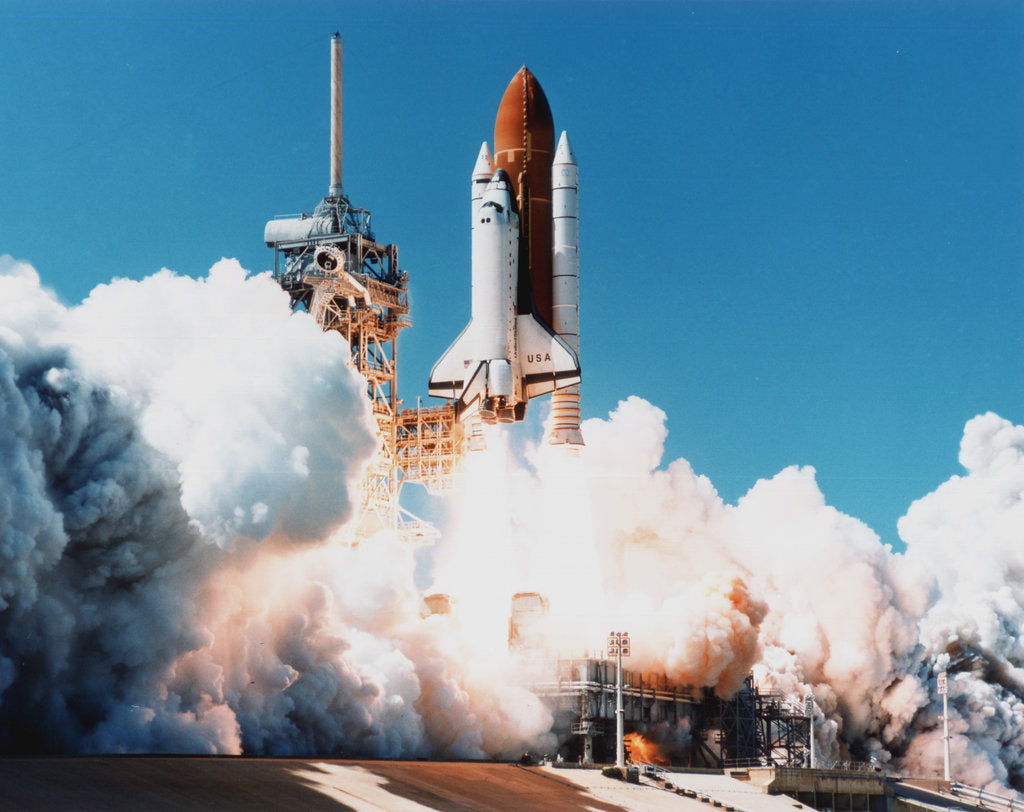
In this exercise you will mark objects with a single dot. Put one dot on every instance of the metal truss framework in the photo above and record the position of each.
(764, 729)
(582, 701)
(429, 444)
(352, 285)
(750, 728)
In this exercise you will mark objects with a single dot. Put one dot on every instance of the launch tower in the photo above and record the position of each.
(330, 264)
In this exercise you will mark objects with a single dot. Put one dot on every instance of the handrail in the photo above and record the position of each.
(646, 768)
(985, 799)
(662, 774)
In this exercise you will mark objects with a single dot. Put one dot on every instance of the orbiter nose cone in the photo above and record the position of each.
(499, 193)
(499, 180)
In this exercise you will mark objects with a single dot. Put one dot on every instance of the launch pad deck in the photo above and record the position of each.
(158, 783)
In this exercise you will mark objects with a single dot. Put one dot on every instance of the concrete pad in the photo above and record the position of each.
(726, 791)
(647, 796)
(159, 784)
(163, 784)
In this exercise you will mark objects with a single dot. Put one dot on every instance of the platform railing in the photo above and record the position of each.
(986, 800)
(678, 782)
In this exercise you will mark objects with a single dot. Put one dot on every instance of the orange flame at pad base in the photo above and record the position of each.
(643, 751)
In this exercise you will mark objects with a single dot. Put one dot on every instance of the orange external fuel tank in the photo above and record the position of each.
(524, 146)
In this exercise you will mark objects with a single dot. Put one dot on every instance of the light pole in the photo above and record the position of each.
(809, 710)
(618, 644)
(944, 693)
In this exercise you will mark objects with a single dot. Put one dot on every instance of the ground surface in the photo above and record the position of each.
(158, 783)
(162, 784)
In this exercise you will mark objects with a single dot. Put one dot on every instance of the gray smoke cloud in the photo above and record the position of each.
(968, 535)
(145, 434)
(177, 456)
(95, 547)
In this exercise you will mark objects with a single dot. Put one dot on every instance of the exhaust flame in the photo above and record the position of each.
(645, 752)
(169, 488)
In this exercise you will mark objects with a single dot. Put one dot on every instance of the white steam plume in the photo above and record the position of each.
(780, 584)
(151, 439)
(175, 455)
(969, 535)
(237, 392)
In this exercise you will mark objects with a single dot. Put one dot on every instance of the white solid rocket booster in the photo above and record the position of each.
(565, 286)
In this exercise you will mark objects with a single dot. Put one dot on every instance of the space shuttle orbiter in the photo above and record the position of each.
(523, 336)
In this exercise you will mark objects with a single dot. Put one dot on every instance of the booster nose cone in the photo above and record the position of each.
(484, 167)
(564, 153)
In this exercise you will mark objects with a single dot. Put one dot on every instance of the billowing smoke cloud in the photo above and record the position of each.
(177, 457)
(781, 585)
(969, 535)
(237, 393)
(141, 430)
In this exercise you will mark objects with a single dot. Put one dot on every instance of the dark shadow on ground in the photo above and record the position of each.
(158, 784)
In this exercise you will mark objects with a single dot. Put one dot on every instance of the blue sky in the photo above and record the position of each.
(802, 223)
